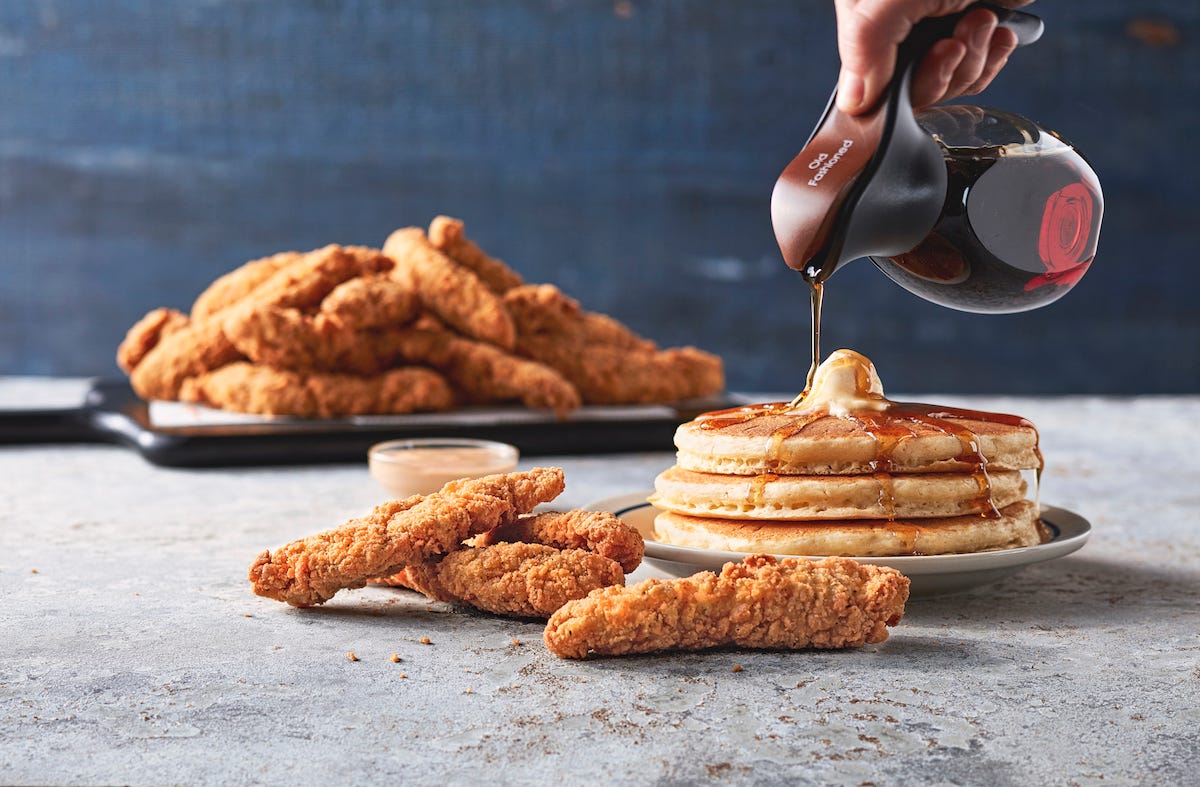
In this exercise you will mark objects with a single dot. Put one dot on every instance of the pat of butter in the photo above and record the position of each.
(421, 467)
(845, 382)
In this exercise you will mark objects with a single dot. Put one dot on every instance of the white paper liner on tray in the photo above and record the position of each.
(171, 415)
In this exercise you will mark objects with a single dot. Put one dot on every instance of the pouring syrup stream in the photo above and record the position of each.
(816, 288)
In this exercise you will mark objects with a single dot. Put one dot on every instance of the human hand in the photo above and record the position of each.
(869, 31)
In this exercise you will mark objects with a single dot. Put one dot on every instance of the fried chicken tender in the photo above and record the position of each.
(484, 373)
(610, 375)
(304, 283)
(378, 301)
(290, 339)
(397, 534)
(269, 329)
(145, 334)
(160, 361)
(543, 309)
(594, 531)
(237, 284)
(603, 359)
(451, 291)
(760, 603)
(249, 388)
(186, 351)
(446, 235)
(520, 580)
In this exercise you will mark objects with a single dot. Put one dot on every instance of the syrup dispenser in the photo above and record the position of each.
(976, 209)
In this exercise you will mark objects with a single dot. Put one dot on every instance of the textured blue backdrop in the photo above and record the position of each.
(625, 151)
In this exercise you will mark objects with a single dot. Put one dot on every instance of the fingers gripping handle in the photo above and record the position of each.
(1027, 27)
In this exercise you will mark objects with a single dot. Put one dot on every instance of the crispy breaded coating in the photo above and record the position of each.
(187, 351)
(484, 373)
(289, 339)
(304, 283)
(237, 284)
(611, 375)
(603, 359)
(543, 309)
(336, 338)
(145, 334)
(760, 603)
(378, 301)
(446, 234)
(249, 388)
(521, 580)
(595, 531)
(202, 345)
(452, 292)
(397, 534)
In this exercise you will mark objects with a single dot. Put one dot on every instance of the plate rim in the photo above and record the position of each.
(1071, 532)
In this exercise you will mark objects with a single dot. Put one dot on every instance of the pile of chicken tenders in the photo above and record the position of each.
(429, 322)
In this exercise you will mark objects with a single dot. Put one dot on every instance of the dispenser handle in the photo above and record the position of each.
(1027, 27)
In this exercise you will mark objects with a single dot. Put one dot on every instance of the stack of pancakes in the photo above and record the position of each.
(846, 472)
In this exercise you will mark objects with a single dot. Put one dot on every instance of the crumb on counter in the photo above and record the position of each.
(395, 658)
(737, 668)
(425, 641)
(33, 571)
(351, 657)
(404, 674)
(247, 615)
(516, 641)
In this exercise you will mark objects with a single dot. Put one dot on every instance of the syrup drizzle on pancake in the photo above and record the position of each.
(758, 487)
(887, 434)
(970, 454)
(723, 419)
(889, 424)
(908, 535)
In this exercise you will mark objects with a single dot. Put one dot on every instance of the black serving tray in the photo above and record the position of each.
(113, 413)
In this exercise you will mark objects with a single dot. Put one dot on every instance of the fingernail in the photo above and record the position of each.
(850, 91)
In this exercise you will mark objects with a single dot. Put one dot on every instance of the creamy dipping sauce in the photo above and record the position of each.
(420, 467)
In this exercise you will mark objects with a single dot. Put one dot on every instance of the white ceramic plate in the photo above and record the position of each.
(931, 575)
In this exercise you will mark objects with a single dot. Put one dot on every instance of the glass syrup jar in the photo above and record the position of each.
(1020, 220)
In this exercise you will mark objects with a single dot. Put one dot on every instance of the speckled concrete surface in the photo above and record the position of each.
(133, 651)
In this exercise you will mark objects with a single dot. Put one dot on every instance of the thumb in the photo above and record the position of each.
(869, 32)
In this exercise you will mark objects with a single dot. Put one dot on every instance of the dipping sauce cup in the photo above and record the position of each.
(422, 466)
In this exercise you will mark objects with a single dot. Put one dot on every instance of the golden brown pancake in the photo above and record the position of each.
(831, 445)
(881, 496)
(1018, 526)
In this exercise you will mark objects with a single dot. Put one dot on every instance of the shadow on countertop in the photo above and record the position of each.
(1079, 591)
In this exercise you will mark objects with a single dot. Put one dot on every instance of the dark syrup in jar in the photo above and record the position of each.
(1020, 221)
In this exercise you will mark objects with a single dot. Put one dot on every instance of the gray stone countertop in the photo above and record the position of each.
(134, 651)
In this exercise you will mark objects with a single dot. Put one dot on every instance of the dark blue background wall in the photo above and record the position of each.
(625, 151)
